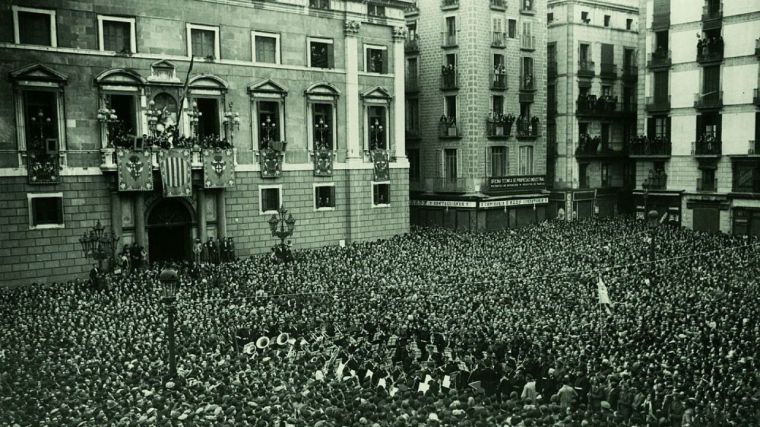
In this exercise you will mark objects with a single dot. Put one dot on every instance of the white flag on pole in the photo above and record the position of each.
(604, 297)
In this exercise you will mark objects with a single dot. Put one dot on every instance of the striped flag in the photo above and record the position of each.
(176, 173)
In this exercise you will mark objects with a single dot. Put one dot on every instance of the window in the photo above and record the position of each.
(549, 18)
(34, 26)
(526, 160)
(412, 71)
(584, 52)
(450, 163)
(412, 114)
(451, 25)
(319, 4)
(324, 197)
(629, 24)
(607, 20)
(527, 73)
(266, 48)
(411, 30)
(208, 122)
(375, 10)
(498, 61)
(376, 59)
(585, 18)
(661, 41)
(497, 104)
(512, 28)
(45, 210)
(125, 108)
(661, 86)
(414, 164)
(117, 34)
(322, 122)
(606, 90)
(377, 127)
(321, 53)
(658, 127)
(746, 177)
(450, 106)
(269, 123)
(498, 161)
(270, 197)
(381, 194)
(203, 41)
(40, 118)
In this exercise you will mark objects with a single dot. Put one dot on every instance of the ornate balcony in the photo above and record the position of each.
(528, 128)
(630, 73)
(650, 147)
(498, 39)
(412, 44)
(450, 185)
(658, 104)
(603, 107)
(499, 126)
(710, 50)
(586, 68)
(499, 4)
(448, 128)
(659, 59)
(43, 167)
(708, 101)
(499, 79)
(707, 185)
(712, 14)
(449, 78)
(448, 40)
(708, 146)
(608, 71)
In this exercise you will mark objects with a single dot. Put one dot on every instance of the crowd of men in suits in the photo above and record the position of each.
(433, 328)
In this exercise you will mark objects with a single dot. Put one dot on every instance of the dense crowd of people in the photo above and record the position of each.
(432, 328)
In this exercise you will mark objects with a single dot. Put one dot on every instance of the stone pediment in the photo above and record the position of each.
(322, 89)
(40, 73)
(120, 76)
(378, 93)
(268, 86)
(208, 82)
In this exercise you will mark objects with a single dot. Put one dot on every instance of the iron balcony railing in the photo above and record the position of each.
(528, 127)
(448, 128)
(708, 100)
(450, 185)
(603, 106)
(707, 145)
(707, 185)
(650, 146)
(449, 78)
(608, 71)
(585, 68)
(412, 43)
(498, 128)
(499, 79)
(499, 39)
(659, 59)
(710, 50)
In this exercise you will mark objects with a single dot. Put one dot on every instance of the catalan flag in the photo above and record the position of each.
(176, 173)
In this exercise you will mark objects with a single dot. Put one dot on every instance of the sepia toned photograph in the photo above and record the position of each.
(371, 213)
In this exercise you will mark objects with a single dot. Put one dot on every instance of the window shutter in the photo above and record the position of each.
(385, 62)
(441, 168)
(667, 128)
(330, 58)
(608, 53)
(489, 162)
(459, 163)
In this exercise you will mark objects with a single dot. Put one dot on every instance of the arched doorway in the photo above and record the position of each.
(169, 228)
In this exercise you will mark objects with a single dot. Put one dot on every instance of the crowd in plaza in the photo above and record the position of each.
(432, 328)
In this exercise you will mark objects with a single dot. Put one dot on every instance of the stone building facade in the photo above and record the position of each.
(476, 116)
(309, 92)
(698, 114)
(592, 96)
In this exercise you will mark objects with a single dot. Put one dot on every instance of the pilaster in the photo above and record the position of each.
(353, 140)
(399, 107)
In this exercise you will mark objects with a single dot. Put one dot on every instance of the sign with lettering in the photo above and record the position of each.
(506, 184)
(515, 202)
(443, 203)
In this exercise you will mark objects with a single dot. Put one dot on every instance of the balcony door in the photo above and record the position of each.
(41, 117)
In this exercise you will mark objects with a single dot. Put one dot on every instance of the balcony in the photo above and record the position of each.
(551, 68)
(712, 16)
(659, 59)
(608, 71)
(411, 84)
(603, 107)
(710, 50)
(499, 79)
(586, 68)
(448, 40)
(657, 180)
(650, 147)
(43, 167)
(527, 7)
(450, 185)
(412, 44)
(630, 73)
(449, 4)
(448, 128)
(708, 101)
(657, 104)
(528, 128)
(527, 84)
(708, 146)
(756, 97)
(499, 4)
(591, 148)
(499, 126)
(707, 185)
(498, 39)
(528, 42)
(449, 78)
(319, 4)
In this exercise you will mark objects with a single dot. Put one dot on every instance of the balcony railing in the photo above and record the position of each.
(706, 146)
(603, 106)
(585, 68)
(608, 71)
(656, 181)
(319, 4)
(659, 59)
(448, 128)
(499, 39)
(630, 72)
(528, 127)
(710, 100)
(449, 78)
(644, 146)
(449, 3)
(658, 103)
(527, 83)
(528, 42)
(594, 147)
(711, 16)
(450, 185)
(551, 67)
(710, 50)
(448, 39)
(707, 185)
(498, 4)
(499, 126)
(756, 97)
(412, 43)
(499, 79)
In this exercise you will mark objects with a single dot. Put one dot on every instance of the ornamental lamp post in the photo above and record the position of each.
(268, 127)
(231, 123)
(194, 116)
(321, 127)
(98, 244)
(169, 279)
(282, 228)
(153, 115)
(377, 130)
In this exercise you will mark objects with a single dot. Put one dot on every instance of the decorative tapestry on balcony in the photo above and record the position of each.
(218, 168)
(135, 170)
(43, 168)
(271, 163)
(176, 173)
(380, 160)
(323, 162)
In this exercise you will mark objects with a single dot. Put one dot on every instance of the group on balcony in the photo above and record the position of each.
(707, 143)
(449, 74)
(588, 144)
(645, 145)
(447, 126)
(656, 180)
(499, 124)
(589, 102)
(709, 47)
(527, 126)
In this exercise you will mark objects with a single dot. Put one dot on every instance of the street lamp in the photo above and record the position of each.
(282, 228)
(153, 116)
(377, 131)
(98, 244)
(169, 280)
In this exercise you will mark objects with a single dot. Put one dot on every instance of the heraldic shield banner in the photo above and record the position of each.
(135, 170)
(176, 173)
(218, 168)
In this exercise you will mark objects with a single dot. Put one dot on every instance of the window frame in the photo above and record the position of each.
(263, 187)
(374, 185)
(529, 168)
(220, 99)
(310, 121)
(316, 185)
(17, 30)
(132, 35)
(255, 124)
(200, 27)
(331, 42)
(386, 58)
(277, 46)
(388, 131)
(30, 211)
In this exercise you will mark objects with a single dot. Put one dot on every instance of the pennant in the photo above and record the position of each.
(176, 173)
(476, 385)
(135, 170)
(218, 168)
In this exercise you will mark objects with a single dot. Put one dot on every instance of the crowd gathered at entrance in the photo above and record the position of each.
(433, 328)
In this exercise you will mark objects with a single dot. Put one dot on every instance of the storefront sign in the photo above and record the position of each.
(515, 202)
(506, 184)
(443, 203)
